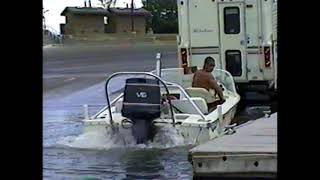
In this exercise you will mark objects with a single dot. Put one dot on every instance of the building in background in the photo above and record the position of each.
(89, 20)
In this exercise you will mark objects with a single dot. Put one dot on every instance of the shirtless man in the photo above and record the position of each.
(204, 79)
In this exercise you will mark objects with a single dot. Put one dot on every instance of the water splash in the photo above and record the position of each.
(165, 138)
(168, 137)
(89, 140)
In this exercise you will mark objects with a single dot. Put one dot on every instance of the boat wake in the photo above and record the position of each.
(165, 138)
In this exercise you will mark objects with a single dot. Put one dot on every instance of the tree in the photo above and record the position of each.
(164, 17)
(107, 3)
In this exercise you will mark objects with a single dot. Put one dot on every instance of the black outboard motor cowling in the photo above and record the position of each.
(141, 104)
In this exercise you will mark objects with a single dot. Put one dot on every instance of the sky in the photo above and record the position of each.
(55, 7)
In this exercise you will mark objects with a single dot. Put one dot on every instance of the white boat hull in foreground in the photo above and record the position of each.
(186, 113)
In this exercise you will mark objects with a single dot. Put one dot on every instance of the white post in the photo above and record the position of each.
(220, 119)
(86, 111)
(158, 65)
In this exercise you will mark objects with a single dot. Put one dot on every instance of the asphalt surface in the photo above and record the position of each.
(67, 69)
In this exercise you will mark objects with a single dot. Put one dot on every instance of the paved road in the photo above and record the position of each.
(68, 69)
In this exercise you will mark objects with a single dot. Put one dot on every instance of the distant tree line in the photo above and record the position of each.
(164, 17)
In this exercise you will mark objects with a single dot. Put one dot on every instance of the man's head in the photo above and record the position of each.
(209, 64)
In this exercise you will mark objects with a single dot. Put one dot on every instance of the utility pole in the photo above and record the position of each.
(132, 21)
(90, 3)
(44, 18)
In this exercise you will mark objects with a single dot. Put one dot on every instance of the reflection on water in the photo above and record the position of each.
(117, 163)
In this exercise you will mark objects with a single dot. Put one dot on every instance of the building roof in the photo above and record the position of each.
(85, 10)
(127, 11)
(101, 11)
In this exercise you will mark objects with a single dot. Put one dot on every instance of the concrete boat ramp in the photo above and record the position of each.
(251, 152)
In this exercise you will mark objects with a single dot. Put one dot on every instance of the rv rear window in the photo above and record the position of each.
(233, 62)
(231, 20)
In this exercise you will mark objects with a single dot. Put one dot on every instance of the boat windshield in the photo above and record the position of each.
(116, 88)
(177, 76)
(116, 84)
(225, 78)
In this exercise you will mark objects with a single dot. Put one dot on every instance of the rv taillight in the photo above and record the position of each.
(184, 60)
(267, 58)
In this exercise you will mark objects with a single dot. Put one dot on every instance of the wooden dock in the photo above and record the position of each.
(250, 152)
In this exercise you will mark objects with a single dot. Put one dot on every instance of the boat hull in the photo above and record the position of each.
(191, 133)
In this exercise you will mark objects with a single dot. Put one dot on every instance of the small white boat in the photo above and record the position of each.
(145, 104)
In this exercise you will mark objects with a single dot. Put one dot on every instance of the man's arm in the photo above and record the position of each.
(214, 85)
(193, 79)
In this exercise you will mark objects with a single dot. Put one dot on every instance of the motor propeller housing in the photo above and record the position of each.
(141, 104)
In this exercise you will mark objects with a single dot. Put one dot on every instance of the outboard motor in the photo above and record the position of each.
(141, 104)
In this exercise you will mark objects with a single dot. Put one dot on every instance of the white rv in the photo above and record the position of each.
(238, 34)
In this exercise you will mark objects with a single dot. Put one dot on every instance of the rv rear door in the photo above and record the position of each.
(232, 38)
